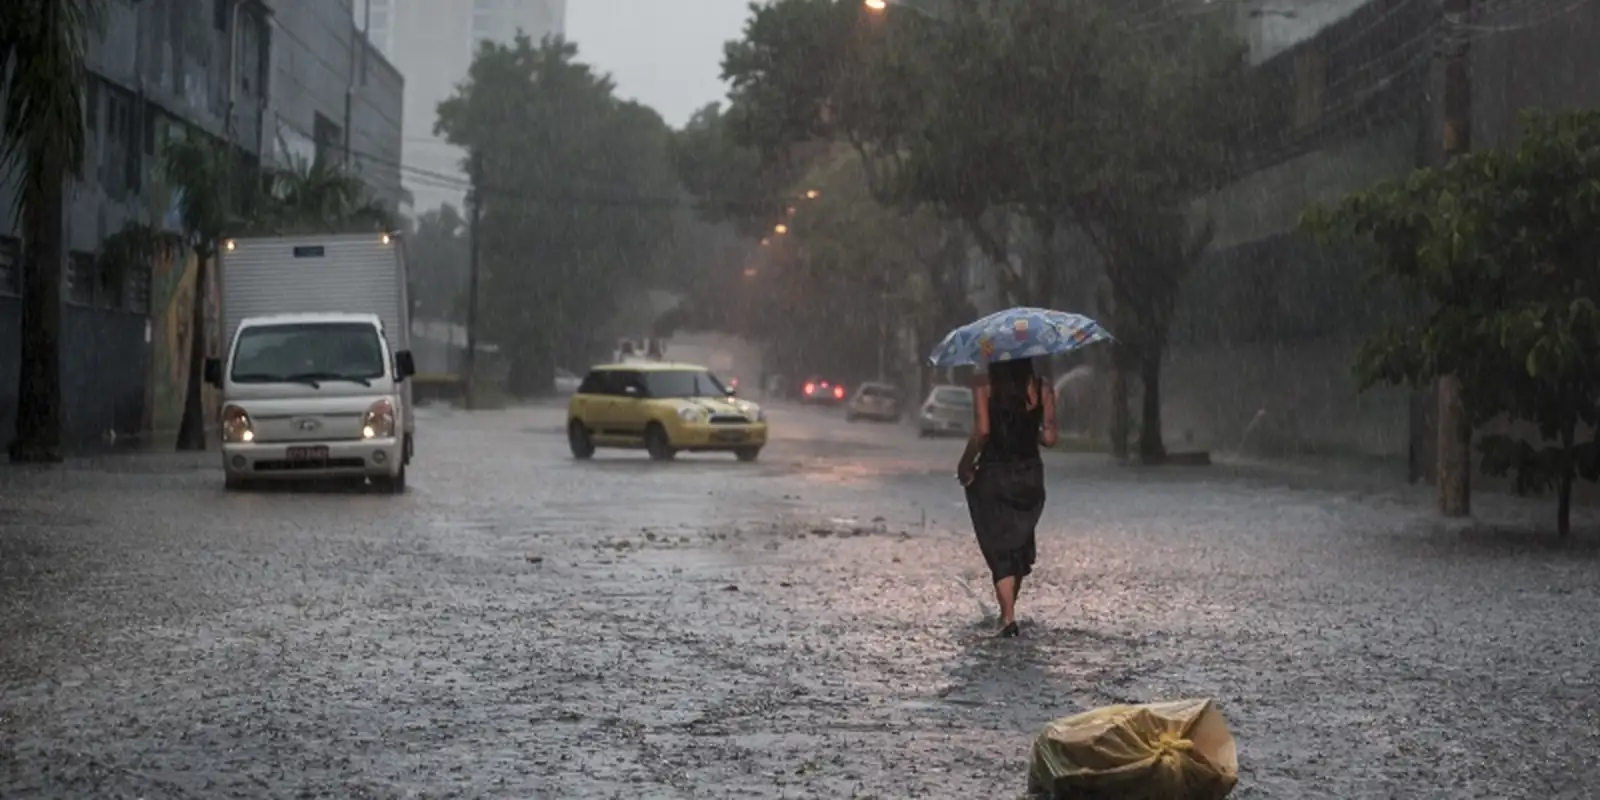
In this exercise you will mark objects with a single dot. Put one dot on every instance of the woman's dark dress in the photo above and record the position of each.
(1007, 495)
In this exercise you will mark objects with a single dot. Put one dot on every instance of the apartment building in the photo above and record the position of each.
(277, 78)
(432, 42)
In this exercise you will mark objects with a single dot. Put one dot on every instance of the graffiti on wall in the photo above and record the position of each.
(171, 312)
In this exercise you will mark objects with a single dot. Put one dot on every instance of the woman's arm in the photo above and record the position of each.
(1048, 434)
(967, 467)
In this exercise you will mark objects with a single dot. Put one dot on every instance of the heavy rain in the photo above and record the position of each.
(900, 398)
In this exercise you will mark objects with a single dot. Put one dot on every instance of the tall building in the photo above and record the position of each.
(432, 43)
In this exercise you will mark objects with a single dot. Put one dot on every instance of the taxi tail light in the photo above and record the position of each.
(838, 392)
(378, 422)
(236, 426)
(811, 389)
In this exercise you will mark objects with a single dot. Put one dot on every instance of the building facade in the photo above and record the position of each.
(433, 42)
(274, 77)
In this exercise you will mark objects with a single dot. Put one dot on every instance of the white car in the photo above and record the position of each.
(946, 412)
(566, 382)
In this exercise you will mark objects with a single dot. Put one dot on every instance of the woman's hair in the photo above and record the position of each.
(1009, 380)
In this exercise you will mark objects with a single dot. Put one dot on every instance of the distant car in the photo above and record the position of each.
(821, 391)
(875, 401)
(946, 412)
(566, 382)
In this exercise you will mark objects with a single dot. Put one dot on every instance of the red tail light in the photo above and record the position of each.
(811, 388)
(838, 392)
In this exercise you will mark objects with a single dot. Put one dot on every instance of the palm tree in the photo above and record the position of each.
(214, 195)
(43, 44)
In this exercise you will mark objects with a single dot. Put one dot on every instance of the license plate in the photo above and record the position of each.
(728, 436)
(318, 453)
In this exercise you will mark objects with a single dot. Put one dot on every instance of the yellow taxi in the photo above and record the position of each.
(664, 408)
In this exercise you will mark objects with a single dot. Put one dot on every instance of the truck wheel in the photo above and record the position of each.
(391, 485)
(411, 448)
(657, 443)
(748, 453)
(578, 439)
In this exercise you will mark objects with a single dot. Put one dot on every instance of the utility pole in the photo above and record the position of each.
(475, 234)
(1455, 429)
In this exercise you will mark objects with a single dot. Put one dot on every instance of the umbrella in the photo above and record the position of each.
(1017, 333)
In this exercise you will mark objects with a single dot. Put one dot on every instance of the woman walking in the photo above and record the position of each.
(1013, 414)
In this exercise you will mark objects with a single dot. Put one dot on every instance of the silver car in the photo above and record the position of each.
(946, 412)
(875, 401)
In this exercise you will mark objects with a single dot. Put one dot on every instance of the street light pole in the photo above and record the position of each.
(1454, 445)
(475, 233)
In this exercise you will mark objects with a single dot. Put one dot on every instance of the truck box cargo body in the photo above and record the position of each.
(316, 360)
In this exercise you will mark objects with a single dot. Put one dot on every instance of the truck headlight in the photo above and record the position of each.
(688, 414)
(236, 427)
(378, 423)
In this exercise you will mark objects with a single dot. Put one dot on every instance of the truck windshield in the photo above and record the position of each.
(308, 353)
(683, 383)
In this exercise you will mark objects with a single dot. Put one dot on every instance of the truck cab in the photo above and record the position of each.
(313, 395)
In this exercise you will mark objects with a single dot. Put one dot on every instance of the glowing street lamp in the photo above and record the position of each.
(780, 229)
(875, 5)
(750, 272)
(812, 194)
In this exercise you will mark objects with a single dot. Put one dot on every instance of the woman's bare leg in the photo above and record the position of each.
(1005, 593)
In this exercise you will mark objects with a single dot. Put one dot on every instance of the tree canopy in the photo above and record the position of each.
(1017, 119)
(578, 197)
(1503, 245)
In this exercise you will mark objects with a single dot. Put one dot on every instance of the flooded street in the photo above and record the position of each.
(812, 625)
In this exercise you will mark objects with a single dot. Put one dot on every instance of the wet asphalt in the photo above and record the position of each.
(813, 625)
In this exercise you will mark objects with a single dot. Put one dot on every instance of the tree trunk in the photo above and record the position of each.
(1151, 449)
(1119, 410)
(1564, 505)
(1455, 450)
(38, 434)
(192, 428)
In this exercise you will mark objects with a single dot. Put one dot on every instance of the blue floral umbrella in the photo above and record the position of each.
(1017, 333)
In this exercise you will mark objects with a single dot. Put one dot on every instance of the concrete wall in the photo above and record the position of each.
(104, 358)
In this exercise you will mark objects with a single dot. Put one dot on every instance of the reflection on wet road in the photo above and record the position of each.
(811, 625)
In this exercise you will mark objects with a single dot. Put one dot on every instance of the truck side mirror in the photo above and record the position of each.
(213, 371)
(404, 365)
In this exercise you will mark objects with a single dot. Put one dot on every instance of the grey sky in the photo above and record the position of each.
(664, 53)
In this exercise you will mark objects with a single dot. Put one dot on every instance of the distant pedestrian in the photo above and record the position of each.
(1014, 412)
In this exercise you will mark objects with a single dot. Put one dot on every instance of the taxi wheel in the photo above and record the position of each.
(657, 444)
(748, 453)
(578, 439)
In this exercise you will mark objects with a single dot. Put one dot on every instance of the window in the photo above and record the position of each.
(219, 13)
(10, 267)
(138, 284)
(327, 138)
(119, 171)
(953, 396)
(81, 278)
(309, 352)
(683, 383)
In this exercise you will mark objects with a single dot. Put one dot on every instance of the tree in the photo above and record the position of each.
(439, 255)
(43, 45)
(1108, 117)
(1503, 246)
(578, 197)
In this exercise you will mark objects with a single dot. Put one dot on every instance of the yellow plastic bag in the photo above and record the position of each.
(1180, 750)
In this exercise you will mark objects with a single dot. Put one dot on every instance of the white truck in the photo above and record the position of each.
(314, 374)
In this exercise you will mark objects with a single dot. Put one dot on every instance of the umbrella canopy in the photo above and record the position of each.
(1017, 333)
